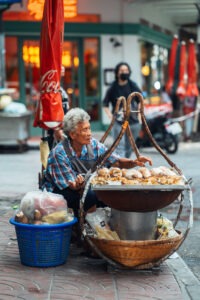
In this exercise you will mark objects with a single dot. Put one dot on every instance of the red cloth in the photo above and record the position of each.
(171, 66)
(192, 89)
(181, 89)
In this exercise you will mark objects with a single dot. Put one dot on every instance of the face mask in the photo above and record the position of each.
(124, 76)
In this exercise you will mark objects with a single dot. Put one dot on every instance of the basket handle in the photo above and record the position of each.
(102, 159)
(128, 131)
(144, 122)
(121, 100)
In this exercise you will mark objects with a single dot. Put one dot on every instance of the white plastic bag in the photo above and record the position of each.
(97, 219)
(42, 201)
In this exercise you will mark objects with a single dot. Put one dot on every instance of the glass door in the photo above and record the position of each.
(70, 81)
(30, 56)
(92, 78)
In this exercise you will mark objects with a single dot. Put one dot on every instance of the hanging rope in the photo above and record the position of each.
(121, 100)
(144, 123)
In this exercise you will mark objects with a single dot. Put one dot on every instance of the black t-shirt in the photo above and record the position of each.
(116, 91)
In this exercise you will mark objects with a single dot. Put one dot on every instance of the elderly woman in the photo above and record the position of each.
(71, 158)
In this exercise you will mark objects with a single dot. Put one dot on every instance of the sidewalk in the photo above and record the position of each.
(86, 278)
(79, 277)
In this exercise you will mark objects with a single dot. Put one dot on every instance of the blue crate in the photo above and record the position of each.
(43, 245)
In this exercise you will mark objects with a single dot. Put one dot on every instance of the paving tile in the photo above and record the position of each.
(79, 278)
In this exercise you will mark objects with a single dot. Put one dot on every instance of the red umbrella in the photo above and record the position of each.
(49, 111)
(181, 89)
(171, 66)
(192, 89)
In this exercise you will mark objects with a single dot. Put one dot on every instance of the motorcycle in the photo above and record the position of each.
(165, 132)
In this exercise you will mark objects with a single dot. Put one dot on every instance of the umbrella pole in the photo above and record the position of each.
(40, 174)
(44, 152)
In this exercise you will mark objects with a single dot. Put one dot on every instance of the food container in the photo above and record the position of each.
(134, 225)
(43, 245)
(15, 127)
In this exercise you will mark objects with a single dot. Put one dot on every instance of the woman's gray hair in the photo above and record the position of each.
(73, 117)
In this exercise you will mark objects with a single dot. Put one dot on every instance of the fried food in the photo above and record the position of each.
(132, 173)
(130, 181)
(115, 172)
(99, 180)
(142, 176)
(104, 172)
(167, 171)
(145, 172)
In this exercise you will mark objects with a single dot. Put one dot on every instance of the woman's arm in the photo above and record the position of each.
(108, 112)
(127, 163)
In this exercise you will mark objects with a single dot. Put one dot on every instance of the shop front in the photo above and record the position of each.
(81, 79)
(91, 50)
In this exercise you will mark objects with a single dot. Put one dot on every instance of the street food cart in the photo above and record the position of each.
(15, 122)
(137, 201)
(15, 127)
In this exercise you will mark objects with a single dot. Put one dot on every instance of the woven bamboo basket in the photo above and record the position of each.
(134, 254)
(140, 254)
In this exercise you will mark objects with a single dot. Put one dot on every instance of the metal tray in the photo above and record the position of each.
(146, 187)
(138, 198)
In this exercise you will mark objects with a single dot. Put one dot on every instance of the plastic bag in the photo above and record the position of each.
(57, 217)
(98, 221)
(97, 218)
(15, 108)
(41, 203)
(165, 228)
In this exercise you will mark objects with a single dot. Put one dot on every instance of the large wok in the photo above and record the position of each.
(138, 198)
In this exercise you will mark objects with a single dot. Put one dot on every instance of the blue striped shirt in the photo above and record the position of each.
(59, 168)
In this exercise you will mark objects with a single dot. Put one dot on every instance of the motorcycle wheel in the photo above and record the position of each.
(171, 143)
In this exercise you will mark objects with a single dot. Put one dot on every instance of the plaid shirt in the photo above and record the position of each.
(59, 168)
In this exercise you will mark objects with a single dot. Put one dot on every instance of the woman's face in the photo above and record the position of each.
(123, 70)
(82, 134)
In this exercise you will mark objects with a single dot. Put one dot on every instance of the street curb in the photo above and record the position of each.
(187, 281)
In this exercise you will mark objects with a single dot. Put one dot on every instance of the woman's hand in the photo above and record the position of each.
(141, 160)
(78, 183)
(130, 163)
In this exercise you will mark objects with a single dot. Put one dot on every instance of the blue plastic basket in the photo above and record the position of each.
(43, 245)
